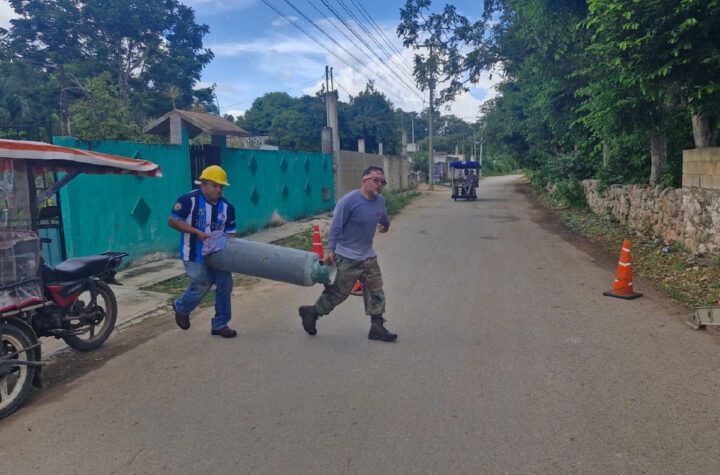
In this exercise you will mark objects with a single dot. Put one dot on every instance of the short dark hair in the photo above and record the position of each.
(373, 168)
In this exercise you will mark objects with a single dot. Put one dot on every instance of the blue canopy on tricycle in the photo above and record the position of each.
(465, 165)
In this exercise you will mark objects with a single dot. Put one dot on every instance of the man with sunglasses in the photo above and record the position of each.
(357, 216)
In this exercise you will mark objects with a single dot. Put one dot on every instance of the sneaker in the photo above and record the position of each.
(225, 332)
(309, 316)
(379, 332)
(182, 320)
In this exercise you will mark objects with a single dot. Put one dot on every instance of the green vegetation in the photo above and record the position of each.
(611, 89)
(302, 240)
(109, 65)
(692, 280)
(177, 285)
(394, 202)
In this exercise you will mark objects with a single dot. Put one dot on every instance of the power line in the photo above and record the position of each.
(370, 48)
(346, 92)
(324, 33)
(379, 61)
(371, 36)
(367, 16)
(284, 90)
(380, 64)
(307, 33)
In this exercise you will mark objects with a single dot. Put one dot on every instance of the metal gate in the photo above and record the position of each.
(202, 156)
(48, 218)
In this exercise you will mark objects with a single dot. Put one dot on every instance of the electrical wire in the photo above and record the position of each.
(324, 33)
(307, 33)
(371, 36)
(375, 61)
(284, 90)
(370, 48)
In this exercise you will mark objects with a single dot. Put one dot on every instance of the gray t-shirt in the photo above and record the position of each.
(354, 223)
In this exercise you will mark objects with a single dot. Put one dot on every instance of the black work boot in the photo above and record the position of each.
(378, 331)
(309, 316)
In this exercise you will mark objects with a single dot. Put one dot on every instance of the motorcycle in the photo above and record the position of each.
(76, 305)
(72, 301)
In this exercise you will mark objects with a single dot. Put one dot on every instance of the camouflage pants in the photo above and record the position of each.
(348, 273)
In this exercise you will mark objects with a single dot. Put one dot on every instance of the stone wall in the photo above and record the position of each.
(690, 216)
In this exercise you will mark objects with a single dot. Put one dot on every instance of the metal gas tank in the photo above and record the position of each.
(271, 262)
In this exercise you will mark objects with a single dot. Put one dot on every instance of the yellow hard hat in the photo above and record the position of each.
(216, 174)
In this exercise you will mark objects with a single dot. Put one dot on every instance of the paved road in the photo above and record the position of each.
(509, 360)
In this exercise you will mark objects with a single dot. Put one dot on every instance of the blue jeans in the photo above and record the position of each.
(201, 279)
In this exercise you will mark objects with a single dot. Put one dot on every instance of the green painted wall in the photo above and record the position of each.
(127, 213)
(123, 212)
(264, 182)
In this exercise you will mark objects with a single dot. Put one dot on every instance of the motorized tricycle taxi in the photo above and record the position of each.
(72, 300)
(464, 180)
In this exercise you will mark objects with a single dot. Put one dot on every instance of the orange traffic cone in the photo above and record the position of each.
(317, 243)
(623, 288)
(357, 290)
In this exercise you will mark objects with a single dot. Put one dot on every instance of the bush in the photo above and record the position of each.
(394, 201)
(570, 193)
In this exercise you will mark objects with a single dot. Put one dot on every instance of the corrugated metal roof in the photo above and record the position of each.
(67, 159)
(196, 123)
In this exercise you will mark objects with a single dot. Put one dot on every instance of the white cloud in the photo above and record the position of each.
(283, 22)
(235, 112)
(405, 94)
(271, 46)
(6, 14)
(292, 58)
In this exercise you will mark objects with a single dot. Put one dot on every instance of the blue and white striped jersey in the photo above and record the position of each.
(198, 213)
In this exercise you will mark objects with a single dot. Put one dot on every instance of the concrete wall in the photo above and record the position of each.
(354, 163)
(701, 168)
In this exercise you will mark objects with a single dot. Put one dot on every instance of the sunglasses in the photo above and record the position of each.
(379, 181)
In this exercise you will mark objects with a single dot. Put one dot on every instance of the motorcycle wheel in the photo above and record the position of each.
(14, 385)
(99, 331)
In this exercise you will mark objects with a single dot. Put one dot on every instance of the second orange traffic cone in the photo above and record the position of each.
(357, 290)
(317, 243)
(623, 288)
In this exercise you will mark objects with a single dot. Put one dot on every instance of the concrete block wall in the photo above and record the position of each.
(701, 168)
(354, 163)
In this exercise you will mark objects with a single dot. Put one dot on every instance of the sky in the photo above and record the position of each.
(257, 50)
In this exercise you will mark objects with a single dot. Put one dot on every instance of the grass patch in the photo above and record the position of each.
(302, 240)
(693, 280)
(177, 285)
(394, 202)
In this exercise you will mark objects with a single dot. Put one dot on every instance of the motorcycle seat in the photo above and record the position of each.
(76, 268)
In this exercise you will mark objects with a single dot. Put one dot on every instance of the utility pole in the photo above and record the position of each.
(431, 168)
(474, 143)
(431, 84)
(412, 124)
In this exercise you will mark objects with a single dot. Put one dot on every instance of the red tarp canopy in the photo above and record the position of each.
(64, 159)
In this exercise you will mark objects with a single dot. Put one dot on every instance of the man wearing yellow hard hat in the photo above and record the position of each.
(196, 215)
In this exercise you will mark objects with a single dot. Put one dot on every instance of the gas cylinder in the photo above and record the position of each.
(271, 262)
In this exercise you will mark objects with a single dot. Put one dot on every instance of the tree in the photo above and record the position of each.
(101, 114)
(259, 118)
(668, 50)
(298, 128)
(444, 34)
(145, 45)
(373, 119)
